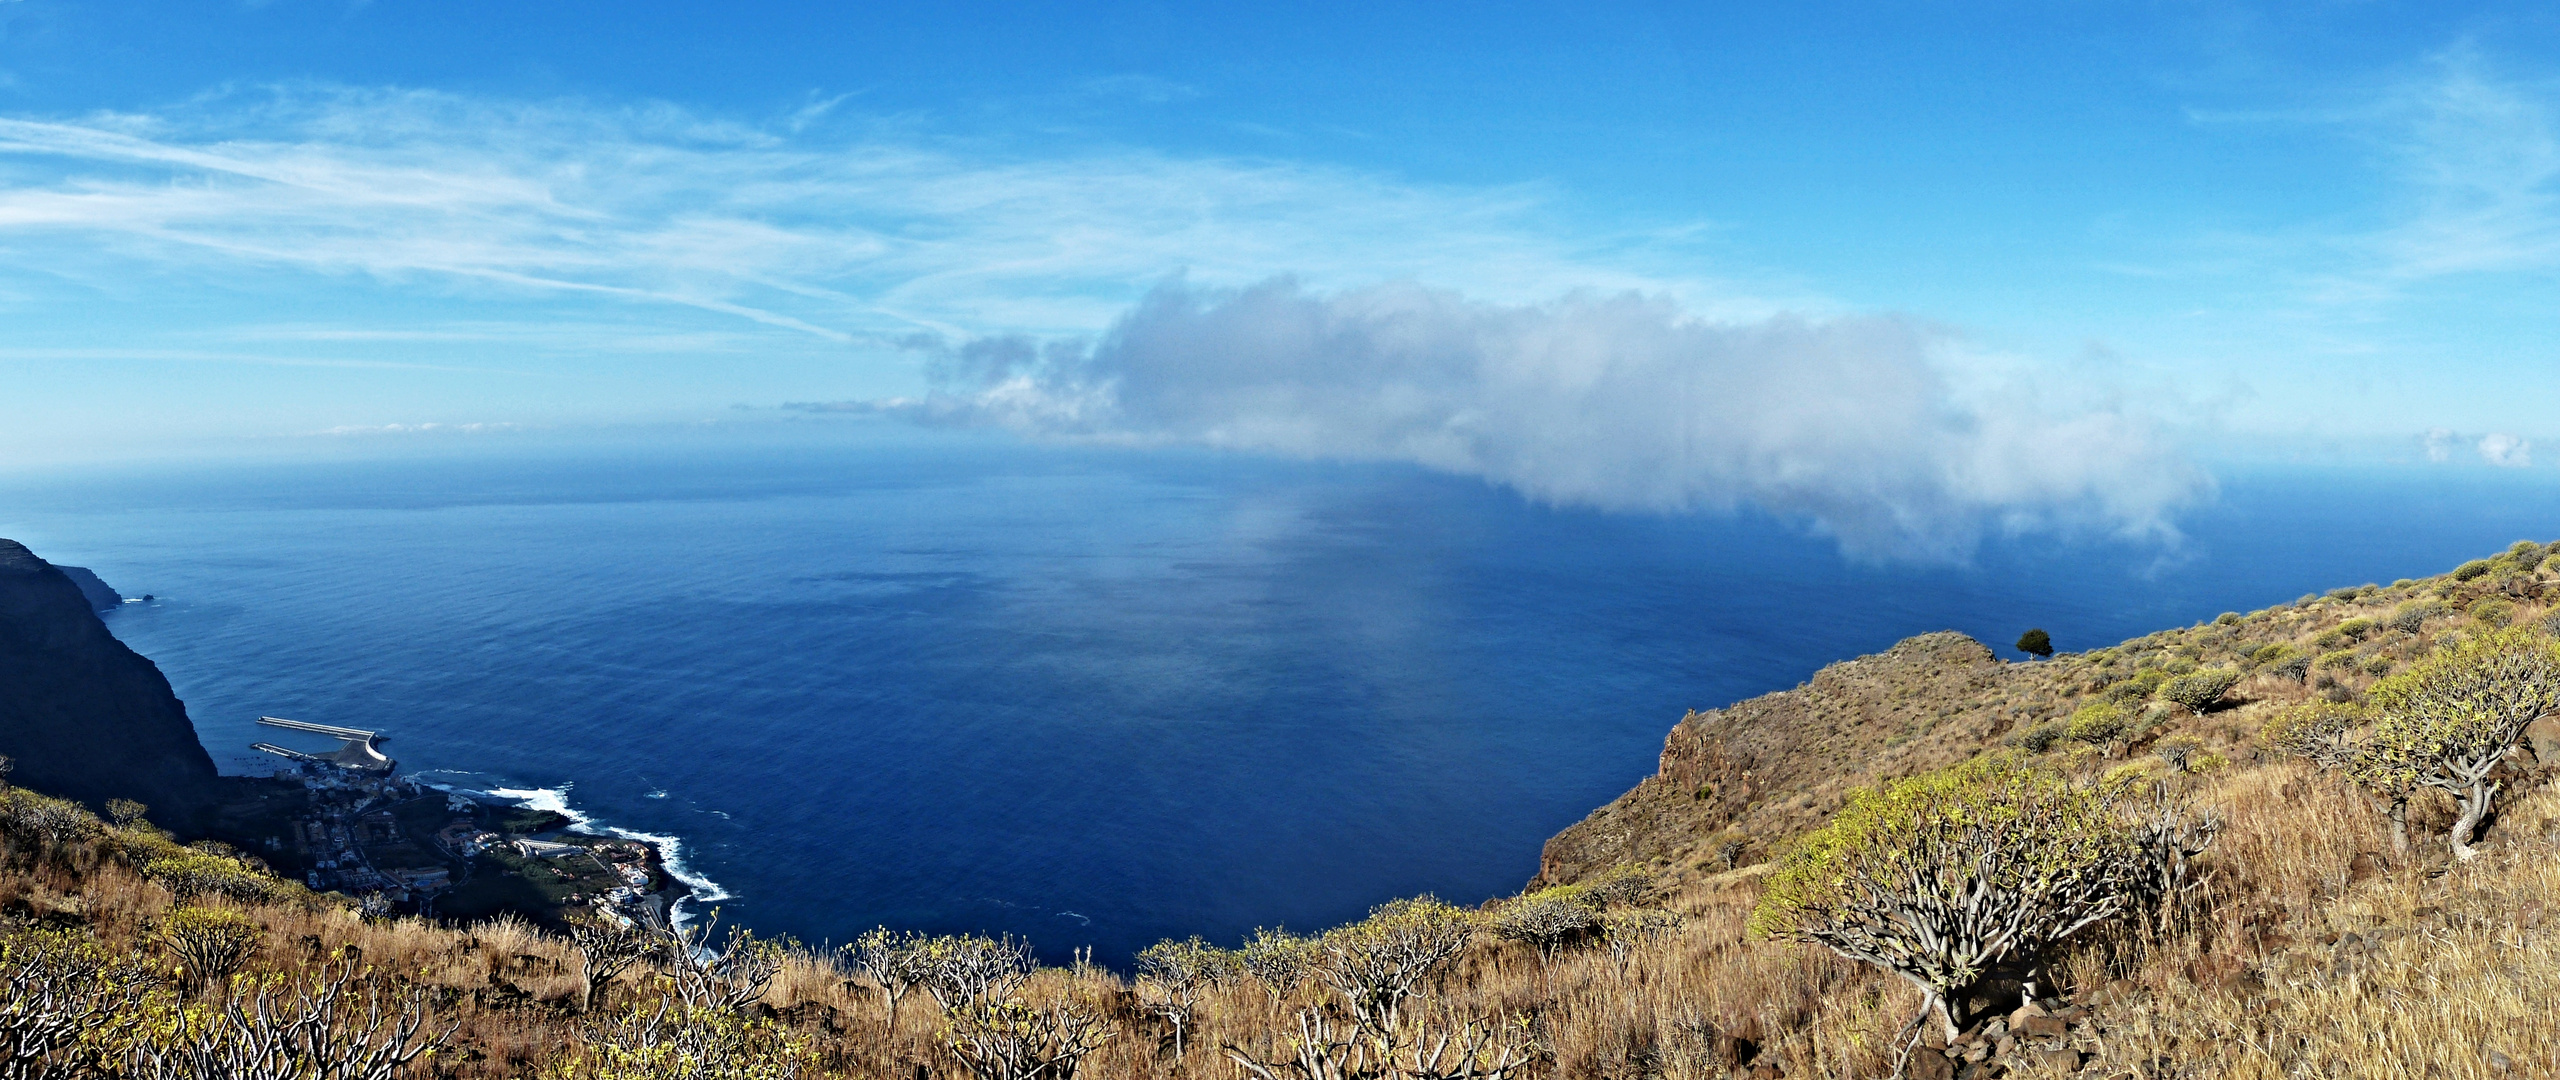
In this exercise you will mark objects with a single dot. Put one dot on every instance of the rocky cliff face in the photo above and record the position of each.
(1734, 780)
(102, 597)
(84, 716)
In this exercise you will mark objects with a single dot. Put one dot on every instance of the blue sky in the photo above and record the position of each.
(2213, 232)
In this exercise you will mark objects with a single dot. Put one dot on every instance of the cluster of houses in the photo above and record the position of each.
(349, 839)
(348, 813)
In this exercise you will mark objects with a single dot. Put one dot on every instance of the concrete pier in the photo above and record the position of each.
(356, 750)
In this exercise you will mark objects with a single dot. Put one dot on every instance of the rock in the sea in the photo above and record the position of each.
(85, 717)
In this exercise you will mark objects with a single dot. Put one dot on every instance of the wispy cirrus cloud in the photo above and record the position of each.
(2468, 158)
(837, 236)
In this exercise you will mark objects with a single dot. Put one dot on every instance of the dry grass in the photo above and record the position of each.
(2315, 959)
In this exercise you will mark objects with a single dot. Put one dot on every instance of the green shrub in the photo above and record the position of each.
(210, 943)
(2337, 660)
(2178, 752)
(44, 820)
(1622, 886)
(2293, 665)
(1375, 965)
(189, 874)
(2526, 553)
(2182, 666)
(2099, 724)
(2377, 664)
(2228, 618)
(1546, 920)
(1278, 959)
(2041, 737)
(1949, 878)
(2317, 732)
(652, 1042)
(2199, 691)
(2356, 629)
(68, 1004)
(2493, 613)
(2447, 721)
(2412, 617)
(2470, 570)
(2268, 654)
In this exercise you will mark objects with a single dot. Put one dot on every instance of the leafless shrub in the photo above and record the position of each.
(1546, 920)
(669, 1042)
(1382, 961)
(275, 1028)
(1172, 975)
(894, 961)
(969, 968)
(1012, 1039)
(1320, 1051)
(1628, 933)
(59, 995)
(1280, 961)
(606, 947)
(730, 977)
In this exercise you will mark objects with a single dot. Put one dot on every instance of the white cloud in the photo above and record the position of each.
(2439, 445)
(1860, 425)
(2506, 451)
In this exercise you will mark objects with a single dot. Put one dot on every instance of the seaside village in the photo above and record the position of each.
(360, 830)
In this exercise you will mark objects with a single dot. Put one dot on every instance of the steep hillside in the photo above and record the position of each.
(1733, 781)
(102, 597)
(84, 716)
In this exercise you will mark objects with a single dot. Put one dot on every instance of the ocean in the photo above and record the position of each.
(1093, 698)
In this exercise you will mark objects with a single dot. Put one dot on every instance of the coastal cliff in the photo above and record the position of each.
(102, 597)
(1732, 780)
(83, 716)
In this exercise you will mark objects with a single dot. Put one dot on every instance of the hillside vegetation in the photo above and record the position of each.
(2315, 840)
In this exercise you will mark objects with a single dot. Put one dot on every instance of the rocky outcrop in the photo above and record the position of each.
(102, 597)
(85, 717)
(1733, 780)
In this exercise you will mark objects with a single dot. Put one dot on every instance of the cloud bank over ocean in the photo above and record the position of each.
(1858, 425)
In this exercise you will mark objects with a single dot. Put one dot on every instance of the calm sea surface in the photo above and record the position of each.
(1091, 698)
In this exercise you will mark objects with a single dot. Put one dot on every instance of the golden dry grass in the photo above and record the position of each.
(2314, 959)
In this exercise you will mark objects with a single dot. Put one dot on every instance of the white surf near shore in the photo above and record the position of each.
(556, 800)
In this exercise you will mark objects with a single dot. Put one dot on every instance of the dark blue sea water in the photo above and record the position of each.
(1092, 698)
